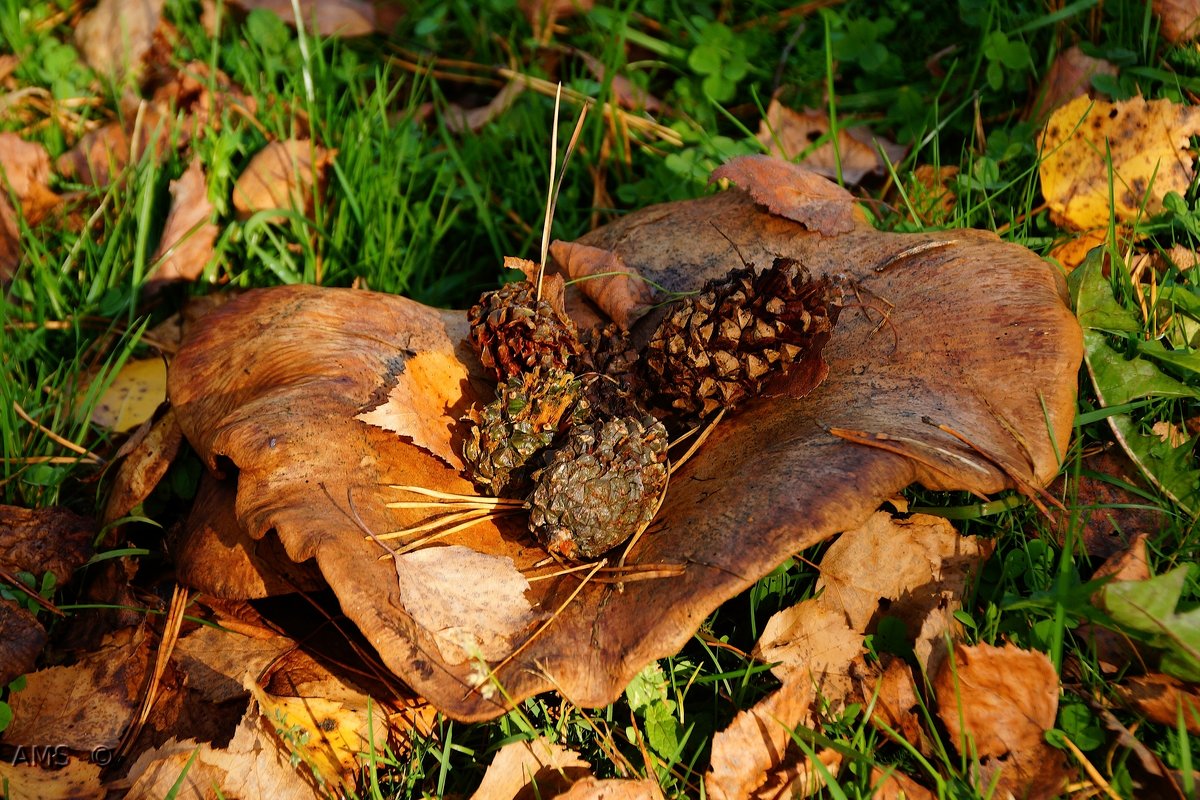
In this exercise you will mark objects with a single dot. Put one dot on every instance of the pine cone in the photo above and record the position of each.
(720, 347)
(528, 412)
(600, 487)
(514, 333)
(611, 384)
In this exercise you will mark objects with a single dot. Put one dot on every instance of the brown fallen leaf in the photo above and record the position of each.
(1148, 141)
(1071, 251)
(1163, 699)
(1130, 564)
(538, 764)
(101, 154)
(1107, 517)
(813, 645)
(893, 785)
(115, 36)
(1179, 19)
(22, 638)
(41, 540)
(24, 171)
(1069, 76)
(283, 175)
(789, 135)
(145, 459)
(890, 692)
(997, 704)
(200, 96)
(86, 705)
(929, 568)
(309, 359)
(483, 617)
(793, 192)
(755, 752)
(79, 779)
(933, 197)
(462, 120)
(624, 299)
(342, 18)
(134, 394)
(188, 234)
(612, 789)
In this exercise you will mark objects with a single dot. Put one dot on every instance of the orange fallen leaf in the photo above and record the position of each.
(794, 192)
(22, 638)
(933, 196)
(997, 704)
(1068, 77)
(1163, 699)
(145, 460)
(790, 134)
(1180, 19)
(612, 789)
(538, 764)
(1148, 142)
(100, 154)
(79, 779)
(189, 233)
(813, 645)
(889, 690)
(342, 18)
(894, 785)
(115, 36)
(283, 175)
(604, 278)
(24, 171)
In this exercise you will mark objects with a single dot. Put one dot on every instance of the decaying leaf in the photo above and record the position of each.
(189, 233)
(481, 617)
(1164, 700)
(41, 540)
(792, 134)
(100, 154)
(997, 704)
(813, 645)
(22, 638)
(1069, 76)
(86, 705)
(538, 764)
(894, 785)
(146, 457)
(116, 35)
(344, 18)
(624, 299)
(754, 753)
(24, 171)
(1147, 140)
(1180, 19)
(929, 567)
(890, 693)
(794, 192)
(999, 367)
(283, 175)
(612, 789)
(79, 779)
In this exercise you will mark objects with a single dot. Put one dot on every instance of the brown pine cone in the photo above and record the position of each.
(514, 333)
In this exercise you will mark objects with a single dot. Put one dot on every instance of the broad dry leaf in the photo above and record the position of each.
(624, 296)
(1163, 699)
(136, 392)
(1069, 76)
(189, 233)
(77, 780)
(997, 704)
(342, 18)
(424, 402)
(1148, 142)
(86, 705)
(894, 785)
(1071, 251)
(790, 134)
(1130, 564)
(145, 459)
(102, 153)
(933, 196)
(41, 540)
(482, 616)
(547, 767)
(756, 751)
(813, 645)
(21, 640)
(1180, 19)
(115, 36)
(929, 566)
(794, 192)
(24, 171)
(220, 661)
(1001, 366)
(890, 692)
(612, 789)
(462, 120)
(283, 175)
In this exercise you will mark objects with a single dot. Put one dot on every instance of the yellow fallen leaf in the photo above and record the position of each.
(1147, 140)
(135, 393)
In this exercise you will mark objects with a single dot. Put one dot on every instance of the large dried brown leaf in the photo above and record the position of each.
(41, 540)
(789, 134)
(624, 299)
(283, 175)
(1180, 19)
(1163, 699)
(756, 750)
(793, 192)
(532, 768)
(86, 705)
(102, 153)
(612, 789)
(144, 461)
(189, 233)
(811, 643)
(24, 171)
(21, 640)
(997, 703)
(999, 366)
(116, 35)
(1147, 140)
